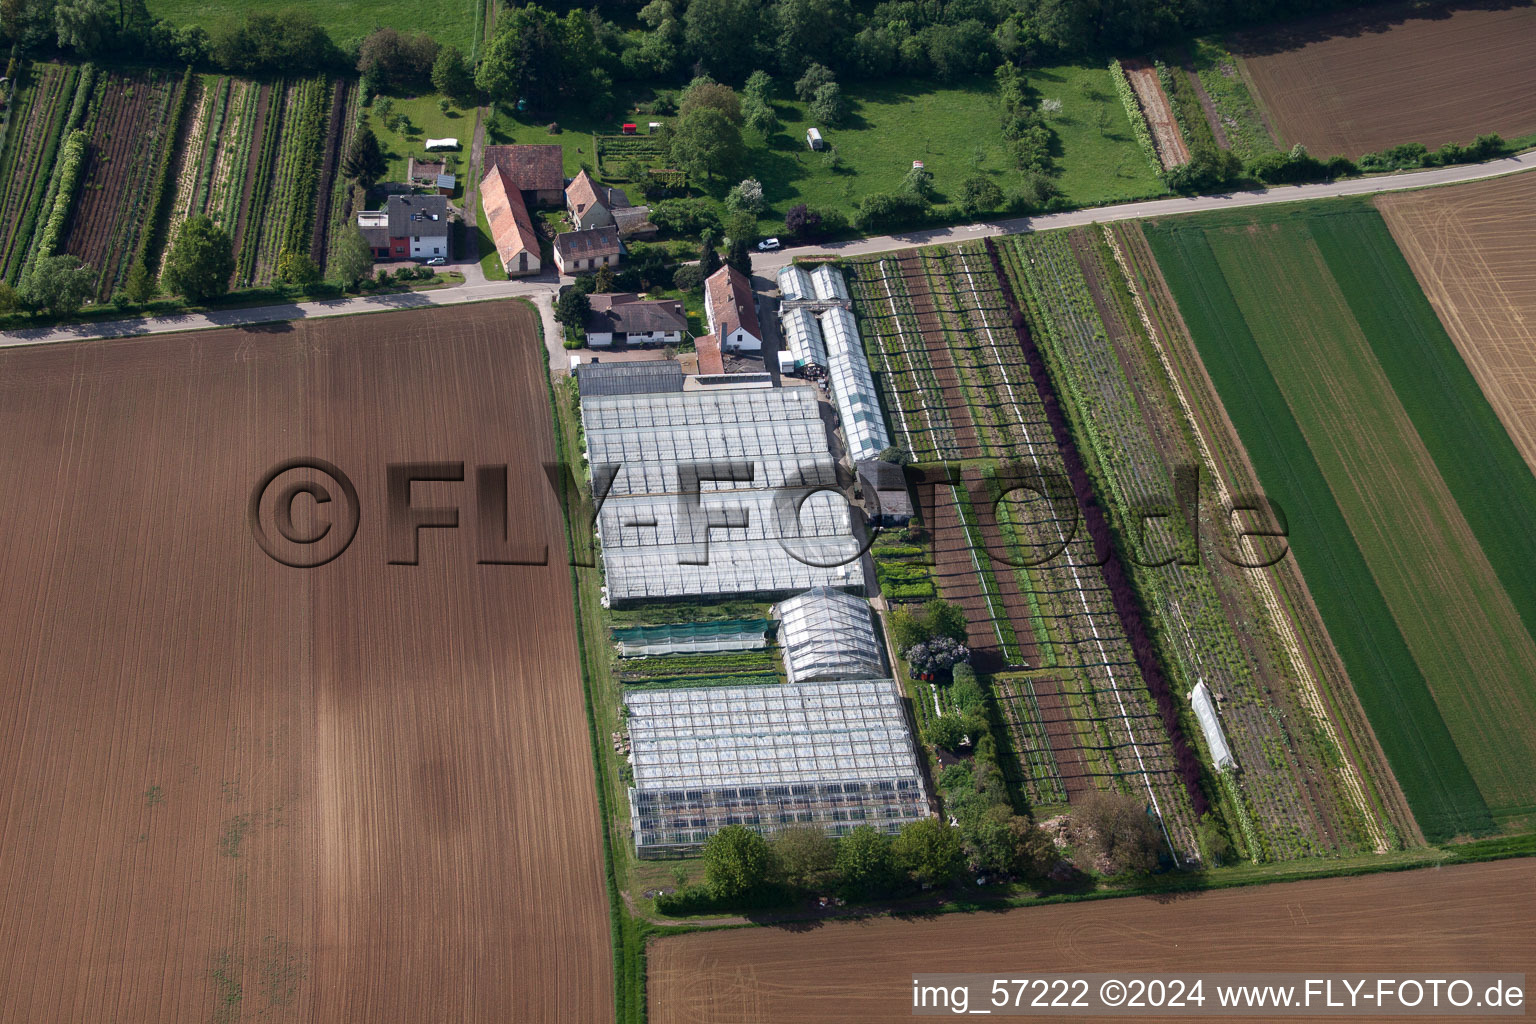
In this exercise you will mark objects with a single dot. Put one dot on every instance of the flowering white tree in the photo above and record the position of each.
(746, 197)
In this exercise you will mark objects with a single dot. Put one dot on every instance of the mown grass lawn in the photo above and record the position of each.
(953, 129)
(450, 22)
(427, 122)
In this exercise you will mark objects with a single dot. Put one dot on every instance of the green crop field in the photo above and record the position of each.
(1360, 419)
(451, 22)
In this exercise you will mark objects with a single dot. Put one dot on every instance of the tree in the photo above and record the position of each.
(60, 284)
(797, 222)
(9, 303)
(364, 160)
(572, 307)
(979, 193)
(907, 630)
(1000, 842)
(737, 863)
(864, 864)
(709, 262)
(707, 94)
(1114, 833)
(200, 261)
(354, 257)
(739, 255)
(759, 86)
(688, 277)
(760, 116)
(542, 58)
(746, 197)
(929, 850)
(828, 108)
(723, 35)
(945, 619)
(602, 281)
(805, 855)
(1212, 839)
(919, 182)
(88, 27)
(397, 60)
(453, 77)
(810, 83)
(946, 731)
(139, 287)
(297, 269)
(807, 32)
(707, 143)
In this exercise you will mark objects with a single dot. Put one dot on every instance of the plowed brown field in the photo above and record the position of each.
(1359, 83)
(1469, 918)
(232, 790)
(1470, 248)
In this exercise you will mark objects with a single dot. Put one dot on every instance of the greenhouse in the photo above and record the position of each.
(795, 285)
(829, 284)
(693, 638)
(718, 492)
(802, 337)
(1210, 725)
(853, 387)
(834, 755)
(828, 635)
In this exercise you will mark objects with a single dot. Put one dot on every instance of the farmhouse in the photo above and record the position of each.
(409, 227)
(732, 311)
(517, 246)
(624, 319)
(587, 250)
(535, 171)
(833, 755)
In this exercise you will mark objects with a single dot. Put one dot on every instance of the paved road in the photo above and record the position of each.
(771, 262)
(542, 289)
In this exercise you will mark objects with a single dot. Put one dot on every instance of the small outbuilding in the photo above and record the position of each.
(886, 497)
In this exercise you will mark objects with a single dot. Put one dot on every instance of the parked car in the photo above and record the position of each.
(768, 245)
(437, 261)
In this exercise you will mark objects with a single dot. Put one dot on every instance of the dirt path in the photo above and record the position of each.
(1166, 136)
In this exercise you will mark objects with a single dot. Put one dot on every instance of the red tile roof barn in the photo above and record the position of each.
(511, 227)
(529, 168)
(730, 296)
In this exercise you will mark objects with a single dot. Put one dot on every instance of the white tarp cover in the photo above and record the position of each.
(1215, 738)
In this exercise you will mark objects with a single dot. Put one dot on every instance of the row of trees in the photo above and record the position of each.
(743, 870)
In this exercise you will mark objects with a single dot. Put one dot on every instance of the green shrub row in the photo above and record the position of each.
(1133, 110)
(71, 163)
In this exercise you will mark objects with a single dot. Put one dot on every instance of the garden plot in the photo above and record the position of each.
(133, 122)
(950, 363)
(34, 124)
(1286, 802)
